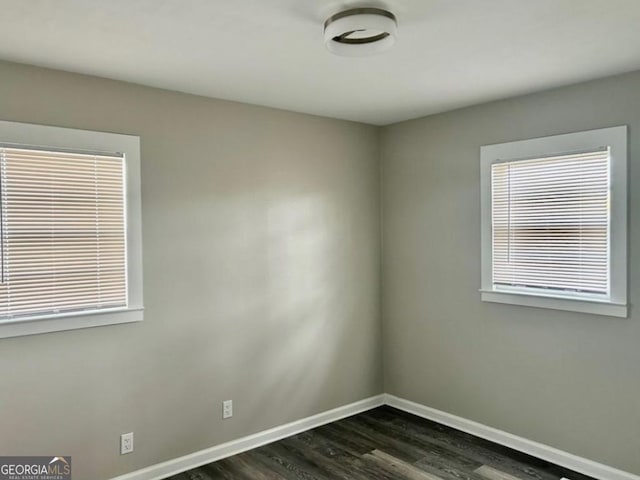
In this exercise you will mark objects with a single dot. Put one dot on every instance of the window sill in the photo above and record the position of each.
(57, 323)
(568, 304)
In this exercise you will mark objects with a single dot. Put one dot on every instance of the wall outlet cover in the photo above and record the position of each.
(126, 443)
(227, 409)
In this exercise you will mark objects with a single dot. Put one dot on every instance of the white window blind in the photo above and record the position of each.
(63, 232)
(550, 224)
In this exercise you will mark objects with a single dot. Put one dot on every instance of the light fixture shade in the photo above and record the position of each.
(360, 32)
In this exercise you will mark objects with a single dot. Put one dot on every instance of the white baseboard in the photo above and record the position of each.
(535, 449)
(197, 459)
(544, 452)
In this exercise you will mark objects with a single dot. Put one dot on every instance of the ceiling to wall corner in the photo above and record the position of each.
(449, 53)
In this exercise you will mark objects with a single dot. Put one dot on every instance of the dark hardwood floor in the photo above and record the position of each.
(385, 444)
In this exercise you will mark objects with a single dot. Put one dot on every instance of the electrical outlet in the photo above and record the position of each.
(126, 443)
(227, 409)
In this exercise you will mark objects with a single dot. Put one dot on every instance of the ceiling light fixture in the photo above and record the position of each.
(360, 31)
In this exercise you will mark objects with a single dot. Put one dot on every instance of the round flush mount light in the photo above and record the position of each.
(360, 31)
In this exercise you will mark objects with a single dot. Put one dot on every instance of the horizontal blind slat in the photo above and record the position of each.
(550, 222)
(63, 233)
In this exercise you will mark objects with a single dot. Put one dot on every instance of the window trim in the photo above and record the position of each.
(616, 139)
(73, 139)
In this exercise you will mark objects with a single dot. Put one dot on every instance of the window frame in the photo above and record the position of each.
(616, 139)
(73, 139)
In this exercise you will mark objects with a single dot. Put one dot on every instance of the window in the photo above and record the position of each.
(70, 249)
(554, 222)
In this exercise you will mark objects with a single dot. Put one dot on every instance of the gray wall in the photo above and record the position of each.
(261, 280)
(261, 264)
(568, 380)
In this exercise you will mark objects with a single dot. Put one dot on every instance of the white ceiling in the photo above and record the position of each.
(449, 54)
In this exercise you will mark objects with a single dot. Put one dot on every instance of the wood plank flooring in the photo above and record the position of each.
(381, 444)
